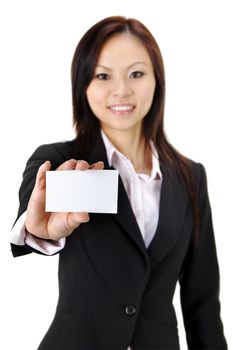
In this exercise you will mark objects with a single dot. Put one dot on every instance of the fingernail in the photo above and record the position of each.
(43, 164)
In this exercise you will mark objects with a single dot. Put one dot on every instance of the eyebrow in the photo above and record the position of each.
(130, 66)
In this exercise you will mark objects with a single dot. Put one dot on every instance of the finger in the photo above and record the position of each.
(40, 177)
(81, 165)
(75, 219)
(97, 166)
(68, 165)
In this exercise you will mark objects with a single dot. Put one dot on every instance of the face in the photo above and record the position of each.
(122, 89)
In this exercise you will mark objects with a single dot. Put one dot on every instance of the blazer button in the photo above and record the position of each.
(130, 310)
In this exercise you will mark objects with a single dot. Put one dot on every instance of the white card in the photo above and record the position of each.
(93, 191)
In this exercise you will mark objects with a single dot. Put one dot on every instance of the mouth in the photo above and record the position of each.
(121, 109)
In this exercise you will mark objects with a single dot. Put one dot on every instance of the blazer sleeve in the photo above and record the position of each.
(199, 283)
(41, 154)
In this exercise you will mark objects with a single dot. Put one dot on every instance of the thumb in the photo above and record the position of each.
(75, 219)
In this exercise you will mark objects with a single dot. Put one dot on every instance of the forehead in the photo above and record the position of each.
(123, 47)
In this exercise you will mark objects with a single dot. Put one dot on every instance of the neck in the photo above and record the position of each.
(133, 146)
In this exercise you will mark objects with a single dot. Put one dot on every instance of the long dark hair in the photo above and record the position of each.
(87, 125)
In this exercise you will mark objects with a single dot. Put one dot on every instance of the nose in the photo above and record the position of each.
(121, 88)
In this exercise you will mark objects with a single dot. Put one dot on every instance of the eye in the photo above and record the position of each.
(136, 75)
(102, 76)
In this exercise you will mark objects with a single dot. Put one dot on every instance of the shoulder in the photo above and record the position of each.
(198, 168)
(54, 152)
(199, 175)
(56, 149)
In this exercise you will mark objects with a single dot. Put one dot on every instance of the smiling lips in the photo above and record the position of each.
(119, 109)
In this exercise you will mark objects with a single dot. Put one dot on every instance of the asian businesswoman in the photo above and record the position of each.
(118, 272)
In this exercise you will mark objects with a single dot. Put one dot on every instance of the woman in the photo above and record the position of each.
(118, 273)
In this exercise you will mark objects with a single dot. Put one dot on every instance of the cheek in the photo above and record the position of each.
(95, 95)
(147, 94)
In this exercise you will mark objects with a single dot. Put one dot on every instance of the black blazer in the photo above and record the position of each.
(113, 292)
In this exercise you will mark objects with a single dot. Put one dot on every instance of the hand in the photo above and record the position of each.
(54, 225)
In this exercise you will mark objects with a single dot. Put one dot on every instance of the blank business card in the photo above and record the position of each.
(93, 191)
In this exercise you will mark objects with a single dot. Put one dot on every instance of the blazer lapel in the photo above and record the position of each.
(125, 216)
(173, 202)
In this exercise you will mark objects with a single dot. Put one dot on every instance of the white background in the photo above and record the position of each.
(37, 41)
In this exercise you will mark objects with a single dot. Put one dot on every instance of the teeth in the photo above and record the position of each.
(121, 108)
